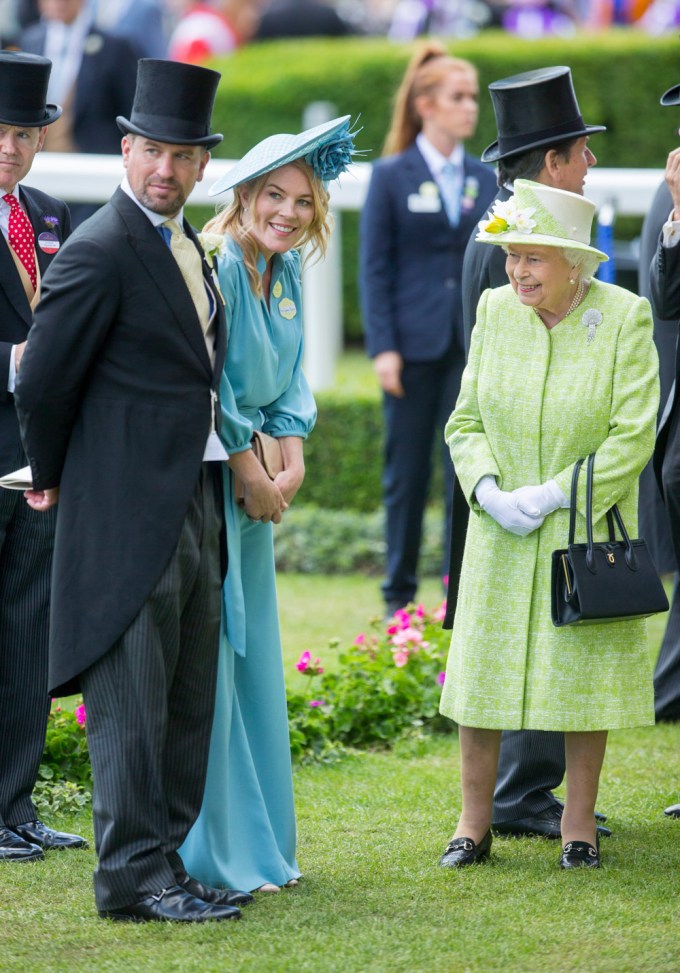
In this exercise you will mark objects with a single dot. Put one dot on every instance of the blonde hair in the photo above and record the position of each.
(234, 220)
(426, 71)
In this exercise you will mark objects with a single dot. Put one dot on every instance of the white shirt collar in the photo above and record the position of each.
(5, 210)
(433, 157)
(157, 219)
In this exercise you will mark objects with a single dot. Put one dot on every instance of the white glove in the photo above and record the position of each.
(539, 501)
(504, 509)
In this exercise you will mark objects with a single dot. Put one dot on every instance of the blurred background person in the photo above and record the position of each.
(213, 28)
(142, 22)
(301, 18)
(424, 200)
(93, 77)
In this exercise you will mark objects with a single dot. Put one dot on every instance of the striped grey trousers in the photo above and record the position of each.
(26, 545)
(149, 703)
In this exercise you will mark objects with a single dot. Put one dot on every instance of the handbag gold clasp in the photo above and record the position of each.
(611, 558)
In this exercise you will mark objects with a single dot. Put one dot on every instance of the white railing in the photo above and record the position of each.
(93, 178)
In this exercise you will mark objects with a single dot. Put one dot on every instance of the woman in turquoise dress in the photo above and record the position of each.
(561, 366)
(245, 835)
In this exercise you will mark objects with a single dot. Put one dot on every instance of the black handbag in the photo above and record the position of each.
(605, 581)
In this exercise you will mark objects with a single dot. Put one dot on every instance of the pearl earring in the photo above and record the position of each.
(571, 280)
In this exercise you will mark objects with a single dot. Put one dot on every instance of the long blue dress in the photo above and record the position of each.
(245, 833)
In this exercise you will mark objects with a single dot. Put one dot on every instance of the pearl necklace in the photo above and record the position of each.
(578, 297)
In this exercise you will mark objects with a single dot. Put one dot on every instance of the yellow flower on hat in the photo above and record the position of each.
(496, 225)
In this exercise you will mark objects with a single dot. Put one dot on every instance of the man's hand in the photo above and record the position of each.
(672, 177)
(42, 499)
(388, 367)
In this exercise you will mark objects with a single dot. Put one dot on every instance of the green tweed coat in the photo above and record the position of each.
(532, 402)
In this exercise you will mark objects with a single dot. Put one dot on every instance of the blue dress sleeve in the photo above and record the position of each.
(293, 413)
(236, 430)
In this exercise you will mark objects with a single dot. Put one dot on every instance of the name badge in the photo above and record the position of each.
(418, 203)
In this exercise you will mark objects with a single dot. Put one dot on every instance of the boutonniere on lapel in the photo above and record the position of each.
(93, 44)
(48, 241)
(470, 193)
(426, 200)
(213, 245)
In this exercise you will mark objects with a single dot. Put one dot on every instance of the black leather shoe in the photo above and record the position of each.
(673, 811)
(215, 896)
(47, 838)
(579, 854)
(463, 851)
(171, 905)
(547, 824)
(15, 849)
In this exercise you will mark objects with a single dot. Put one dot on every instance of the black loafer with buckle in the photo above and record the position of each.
(580, 854)
(464, 851)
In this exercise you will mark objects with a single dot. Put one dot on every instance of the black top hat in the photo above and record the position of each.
(533, 109)
(23, 90)
(672, 96)
(173, 103)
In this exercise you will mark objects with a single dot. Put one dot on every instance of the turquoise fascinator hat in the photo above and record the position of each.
(327, 148)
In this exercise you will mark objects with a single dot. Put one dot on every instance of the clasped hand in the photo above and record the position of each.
(522, 510)
(504, 508)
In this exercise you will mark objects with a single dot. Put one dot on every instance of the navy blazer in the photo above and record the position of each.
(411, 259)
(105, 86)
(47, 215)
(483, 267)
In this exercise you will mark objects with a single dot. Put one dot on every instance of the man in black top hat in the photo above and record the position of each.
(541, 136)
(33, 227)
(665, 298)
(117, 399)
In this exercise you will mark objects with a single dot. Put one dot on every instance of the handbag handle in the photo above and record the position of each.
(590, 555)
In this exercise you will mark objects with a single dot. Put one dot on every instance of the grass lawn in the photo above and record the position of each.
(371, 829)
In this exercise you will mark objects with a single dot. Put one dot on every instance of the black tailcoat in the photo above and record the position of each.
(115, 404)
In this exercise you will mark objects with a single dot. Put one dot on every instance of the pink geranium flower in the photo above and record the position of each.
(81, 715)
(441, 678)
(360, 639)
(407, 636)
(302, 663)
(400, 658)
(316, 702)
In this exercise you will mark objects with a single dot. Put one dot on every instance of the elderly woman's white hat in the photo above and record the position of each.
(542, 216)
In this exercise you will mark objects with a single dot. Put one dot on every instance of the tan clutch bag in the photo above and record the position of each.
(267, 451)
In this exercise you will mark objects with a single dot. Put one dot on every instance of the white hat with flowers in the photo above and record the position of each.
(543, 216)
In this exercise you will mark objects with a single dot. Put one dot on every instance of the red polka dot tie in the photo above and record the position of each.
(21, 237)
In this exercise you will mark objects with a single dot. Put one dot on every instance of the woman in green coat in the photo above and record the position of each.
(561, 366)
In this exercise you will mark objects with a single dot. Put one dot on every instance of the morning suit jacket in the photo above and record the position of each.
(411, 262)
(47, 215)
(115, 403)
(664, 280)
(483, 267)
(104, 88)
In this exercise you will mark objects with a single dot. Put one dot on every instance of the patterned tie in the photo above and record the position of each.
(22, 237)
(191, 267)
(449, 187)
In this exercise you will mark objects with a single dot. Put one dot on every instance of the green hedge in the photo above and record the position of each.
(619, 76)
(344, 455)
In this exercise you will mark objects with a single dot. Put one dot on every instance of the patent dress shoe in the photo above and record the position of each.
(215, 896)
(464, 851)
(171, 905)
(15, 849)
(580, 854)
(673, 811)
(47, 838)
(547, 824)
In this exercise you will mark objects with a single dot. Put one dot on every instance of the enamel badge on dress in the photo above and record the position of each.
(287, 309)
(277, 290)
(590, 320)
